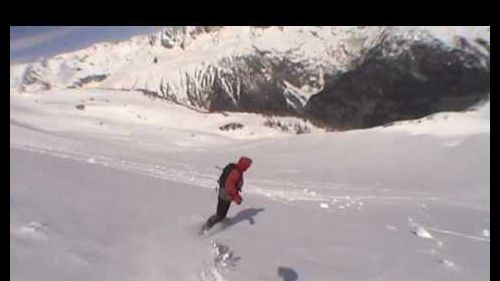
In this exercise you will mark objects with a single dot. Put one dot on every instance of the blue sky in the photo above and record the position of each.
(28, 43)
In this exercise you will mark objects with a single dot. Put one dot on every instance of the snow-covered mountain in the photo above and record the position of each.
(269, 69)
(172, 54)
(119, 183)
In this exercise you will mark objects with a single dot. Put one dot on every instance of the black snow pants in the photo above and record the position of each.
(222, 208)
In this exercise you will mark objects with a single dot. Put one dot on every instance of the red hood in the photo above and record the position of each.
(244, 163)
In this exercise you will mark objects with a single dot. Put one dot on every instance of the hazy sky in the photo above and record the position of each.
(28, 43)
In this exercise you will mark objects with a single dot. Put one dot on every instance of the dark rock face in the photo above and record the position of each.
(417, 80)
(91, 78)
(258, 91)
(397, 79)
(255, 83)
(31, 77)
(231, 126)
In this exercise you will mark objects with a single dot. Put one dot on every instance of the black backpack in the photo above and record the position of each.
(225, 173)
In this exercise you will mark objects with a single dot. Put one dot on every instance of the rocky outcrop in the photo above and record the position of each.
(399, 80)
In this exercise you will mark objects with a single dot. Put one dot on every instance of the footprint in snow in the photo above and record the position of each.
(33, 230)
(222, 255)
(211, 274)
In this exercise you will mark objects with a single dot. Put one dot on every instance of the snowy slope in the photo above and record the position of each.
(118, 190)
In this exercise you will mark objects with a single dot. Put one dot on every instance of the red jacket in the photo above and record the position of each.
(234, 180)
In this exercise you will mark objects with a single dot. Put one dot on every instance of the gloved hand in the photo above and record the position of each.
(238, 200)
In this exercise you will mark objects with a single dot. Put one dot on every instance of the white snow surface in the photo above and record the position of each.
(118, 190)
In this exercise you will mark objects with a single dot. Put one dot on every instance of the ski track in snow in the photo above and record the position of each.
(424, 232)
(458, 234)
(281, 191)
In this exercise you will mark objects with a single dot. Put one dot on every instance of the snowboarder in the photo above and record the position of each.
(230, 183)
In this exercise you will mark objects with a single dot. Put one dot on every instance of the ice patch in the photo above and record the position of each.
(486, 233)
(448, 263)
(31, 227)
(33, 230)
(422, 232)
(324, 205)
(391, 227)
(454, 143)
(91, 160)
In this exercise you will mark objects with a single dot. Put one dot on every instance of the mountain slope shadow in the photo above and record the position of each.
(288, 274)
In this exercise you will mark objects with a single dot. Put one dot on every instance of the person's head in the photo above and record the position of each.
(244, 163)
